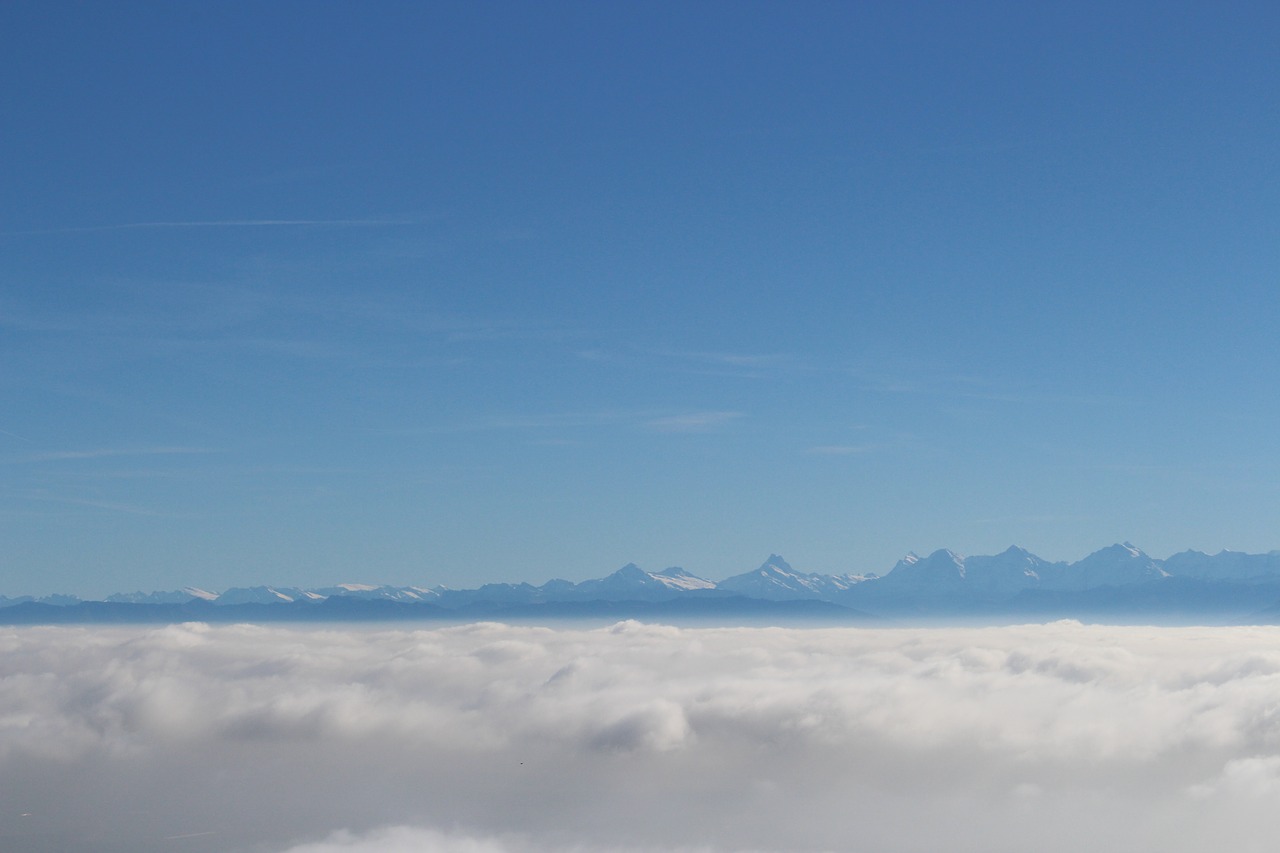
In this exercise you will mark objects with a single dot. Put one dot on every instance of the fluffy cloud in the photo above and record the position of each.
(490, 737)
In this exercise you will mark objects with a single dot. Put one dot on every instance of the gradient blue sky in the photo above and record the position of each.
(450, 293)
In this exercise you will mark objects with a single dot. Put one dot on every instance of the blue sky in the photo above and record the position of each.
(304, 293)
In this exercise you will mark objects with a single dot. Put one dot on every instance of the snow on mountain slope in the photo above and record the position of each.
(633, 583)
(383, 592)
(942, 579)
(941, 570)
(1115, 565)
(265, 595)
(678, 579)
(776, 580)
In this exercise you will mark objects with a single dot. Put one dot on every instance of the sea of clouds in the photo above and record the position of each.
(491, 738)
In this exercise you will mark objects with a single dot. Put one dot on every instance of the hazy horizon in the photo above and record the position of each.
(537, 580)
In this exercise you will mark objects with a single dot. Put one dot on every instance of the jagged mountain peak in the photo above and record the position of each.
(776, 561)
(944, 579)
(1120, 549)
(776, 580)
(941, 567)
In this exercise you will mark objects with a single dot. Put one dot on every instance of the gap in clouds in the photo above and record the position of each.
(489, 737)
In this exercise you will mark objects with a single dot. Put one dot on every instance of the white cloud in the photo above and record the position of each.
(1251, 778)
(489, 737)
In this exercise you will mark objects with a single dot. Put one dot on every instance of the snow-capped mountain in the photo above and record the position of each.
(1007, 573)
(267, 595)
(941, 571)
(1225, 565)
(1116, 565)
(677, 578)
(382, 592)
(56, 600)
(945, 574)
(775, 580)
(177, 596)
(1015, 580)
(632, 583)
(496, 593)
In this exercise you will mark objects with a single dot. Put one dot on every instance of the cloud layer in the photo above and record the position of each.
(638, 738)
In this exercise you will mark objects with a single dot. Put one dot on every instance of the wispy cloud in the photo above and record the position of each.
(558, 420)
(706, 362)
(735, 359)
(108, 452)
(111, 506)
(216, 223)
(940, 383)
(845, 449)
(900, 380)
(656, 421)
(692, 421)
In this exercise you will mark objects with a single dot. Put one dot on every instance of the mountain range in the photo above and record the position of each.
(1119, 581)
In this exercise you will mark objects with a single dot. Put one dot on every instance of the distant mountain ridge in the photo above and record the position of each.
(1014, 581)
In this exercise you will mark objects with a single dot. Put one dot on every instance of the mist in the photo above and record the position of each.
(490, 737)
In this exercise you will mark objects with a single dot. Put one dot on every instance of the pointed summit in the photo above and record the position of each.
(632, 583)
(1007, 573)
(775, 580)
(910, 559)
(776, 561)
(631, 572)
(943, 568)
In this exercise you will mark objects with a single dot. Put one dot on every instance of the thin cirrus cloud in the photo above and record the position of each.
(111, 452)
(110, 506)
(692, 421)
(740, 364)
(845, 449)
(682, 422)
(491, 738)
(217, 223)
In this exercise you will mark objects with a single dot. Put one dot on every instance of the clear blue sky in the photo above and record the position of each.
(450, 293)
